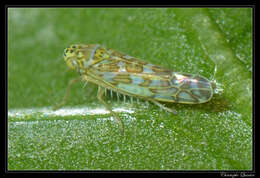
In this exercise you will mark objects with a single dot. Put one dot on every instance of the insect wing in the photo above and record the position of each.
(142, 79)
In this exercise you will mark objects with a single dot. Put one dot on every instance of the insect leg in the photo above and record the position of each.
(111, 93)
(118, 96)
(163, 107)
(100, 93)
(105, 92)
(67, 93)
(85, 84)
(131, 99)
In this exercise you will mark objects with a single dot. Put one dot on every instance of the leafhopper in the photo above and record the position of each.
(129, 76)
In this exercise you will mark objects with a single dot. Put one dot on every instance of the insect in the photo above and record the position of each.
(126, 75)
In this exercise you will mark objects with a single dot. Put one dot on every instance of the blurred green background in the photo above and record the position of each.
(213, 136)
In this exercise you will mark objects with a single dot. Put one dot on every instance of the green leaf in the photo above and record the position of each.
(82, 135)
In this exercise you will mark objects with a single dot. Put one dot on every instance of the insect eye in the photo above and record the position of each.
(68, 52)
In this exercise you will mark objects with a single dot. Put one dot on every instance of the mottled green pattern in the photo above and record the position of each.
(134, 89)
